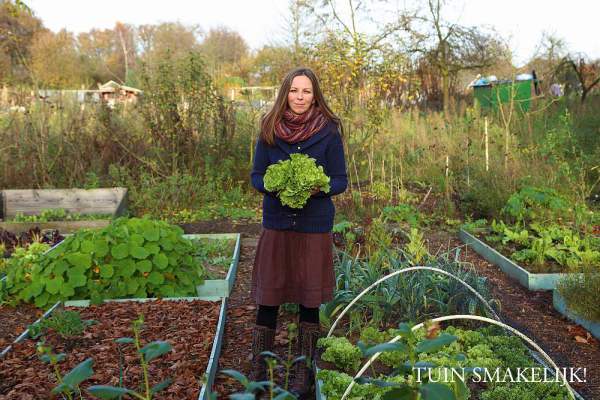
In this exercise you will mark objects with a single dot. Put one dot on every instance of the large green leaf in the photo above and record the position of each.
(59, 268)
(136, 239)
(152, 234)
(67, 290)
(155, 349)
(80, 373)
(167, 243)
(126, 268)
(238, 376)
(100, 248)
(132, 286)
(36, 288)
(152, 247)
(403, 393)
(161, 386)
(80, 260)
(87, 246)
(436, 391)
(433, 345)
(42, 300)
(138, 252)
(77, 277)
(161, 261)
(144, 266)
(53, 285)
(156, 278)
(106, 271)
(120, 251)
(108, 392)
(384, 347)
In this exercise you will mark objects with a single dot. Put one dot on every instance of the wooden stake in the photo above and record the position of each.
(392, 179)
(487, 146)
(447, 173)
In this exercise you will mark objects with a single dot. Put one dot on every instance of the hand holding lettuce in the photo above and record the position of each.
(295, 178)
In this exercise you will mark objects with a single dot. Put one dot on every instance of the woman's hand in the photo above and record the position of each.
(315, 190)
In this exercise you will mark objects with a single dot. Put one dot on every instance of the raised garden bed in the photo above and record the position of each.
(225, 271)
(193, 328)
(210, 289)
(561, 306)
(484, 348)
(111, 202)
(527, 279)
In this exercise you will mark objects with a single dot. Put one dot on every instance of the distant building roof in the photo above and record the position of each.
(112, 86)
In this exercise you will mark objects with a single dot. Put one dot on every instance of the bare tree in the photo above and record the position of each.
(346, 41)
(451, 47)
(586, 72)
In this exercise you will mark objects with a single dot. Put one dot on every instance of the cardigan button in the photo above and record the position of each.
(298, 147)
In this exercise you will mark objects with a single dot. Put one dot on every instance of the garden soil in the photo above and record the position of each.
(14, 320)
(189, 326)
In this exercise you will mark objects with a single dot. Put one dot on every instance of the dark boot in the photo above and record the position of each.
(303, 377)
(263, 338)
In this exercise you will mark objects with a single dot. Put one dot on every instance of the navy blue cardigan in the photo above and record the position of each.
(327, 149)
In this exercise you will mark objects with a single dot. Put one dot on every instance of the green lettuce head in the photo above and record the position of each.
(293, 179)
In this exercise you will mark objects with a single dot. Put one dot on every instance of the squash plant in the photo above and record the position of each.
(135, 257)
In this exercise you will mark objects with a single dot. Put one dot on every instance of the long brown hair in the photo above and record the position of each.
(268, 121)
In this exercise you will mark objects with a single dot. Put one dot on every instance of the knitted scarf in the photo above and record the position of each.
(294, 128)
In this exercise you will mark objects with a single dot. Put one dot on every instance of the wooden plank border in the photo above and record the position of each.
(213, 362)
(527, 279)
(119, 209)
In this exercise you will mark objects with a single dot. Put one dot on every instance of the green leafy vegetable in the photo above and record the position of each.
(294, 179)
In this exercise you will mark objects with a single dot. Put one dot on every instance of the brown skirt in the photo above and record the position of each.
(293, 267)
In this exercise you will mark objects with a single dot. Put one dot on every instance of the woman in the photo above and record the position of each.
(294, 256)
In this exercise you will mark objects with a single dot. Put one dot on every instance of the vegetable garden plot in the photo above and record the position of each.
(132, 258)
(221, 252)
(67, 210)
(531, 281)
(10, 241)
(187, 326)
(441, 351)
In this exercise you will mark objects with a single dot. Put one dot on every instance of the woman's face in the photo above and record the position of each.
(300, 96)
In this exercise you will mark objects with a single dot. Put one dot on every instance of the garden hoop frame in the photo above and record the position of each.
(467, 317)
(417, 268)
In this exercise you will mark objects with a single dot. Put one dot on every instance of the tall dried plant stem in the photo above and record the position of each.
(357, 179)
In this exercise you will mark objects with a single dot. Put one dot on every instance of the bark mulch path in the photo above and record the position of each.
(14, 320)
(533, 314)
(241, 315)
(223, 225)
(188, 326)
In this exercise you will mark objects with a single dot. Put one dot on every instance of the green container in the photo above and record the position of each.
(490, 95)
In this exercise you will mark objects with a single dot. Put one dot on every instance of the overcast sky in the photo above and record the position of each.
(260, 22)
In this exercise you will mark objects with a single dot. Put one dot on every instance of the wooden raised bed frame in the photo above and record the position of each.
(109, 201)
